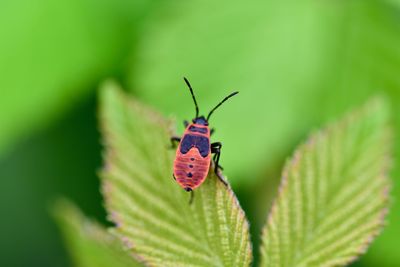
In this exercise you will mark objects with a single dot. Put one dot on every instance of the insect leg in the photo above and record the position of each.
(174, 140)
(191, 197)
(212, 131)
(185, 123)
(216, 148)
(188, 189)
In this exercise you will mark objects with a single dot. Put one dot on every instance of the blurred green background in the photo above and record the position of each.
(297, 65)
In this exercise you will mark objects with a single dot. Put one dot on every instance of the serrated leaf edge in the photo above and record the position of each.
(309, 144)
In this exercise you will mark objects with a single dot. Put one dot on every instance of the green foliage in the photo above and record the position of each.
(151, 211)
(285, 58)
(331, 203)
(52, 54)
(333, 196)
(89, 243)
(296, 64)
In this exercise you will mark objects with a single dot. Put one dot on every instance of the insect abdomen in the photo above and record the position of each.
(191, 169)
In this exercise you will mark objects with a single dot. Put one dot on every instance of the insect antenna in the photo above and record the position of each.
(194, 98)
(220, 103)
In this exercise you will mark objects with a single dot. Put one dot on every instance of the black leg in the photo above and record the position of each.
(174, 140)
(212, 131)
(191, 197)
(185, 123)
(216, 148)
(215, 159)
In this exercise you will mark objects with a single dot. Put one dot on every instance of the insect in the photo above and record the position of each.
(193, 154)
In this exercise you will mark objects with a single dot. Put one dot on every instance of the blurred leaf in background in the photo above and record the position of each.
(61, 160)
(51, 54)
(89, 243)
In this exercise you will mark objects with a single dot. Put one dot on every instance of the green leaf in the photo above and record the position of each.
(334, 192)
(89, 244)
(152, 213)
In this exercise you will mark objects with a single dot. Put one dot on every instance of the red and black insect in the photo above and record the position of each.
(193, 155)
